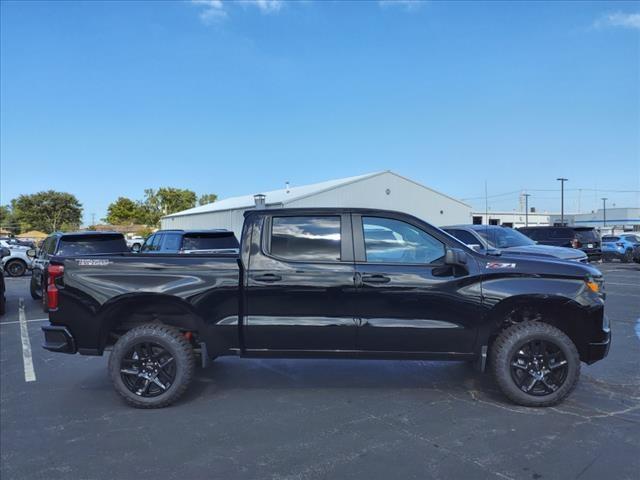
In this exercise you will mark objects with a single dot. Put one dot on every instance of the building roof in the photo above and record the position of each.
(284, 196)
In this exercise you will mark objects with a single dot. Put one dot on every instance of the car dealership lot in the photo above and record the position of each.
(318, 418)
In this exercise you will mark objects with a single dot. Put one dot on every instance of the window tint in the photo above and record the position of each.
(393, 241)
(89, 245)
(210, 241)
(560, 233)
(146, 246)
(529, 232)
(587, 235)
(49, 245)
(465, 237)
(306, 238)
(170, 242)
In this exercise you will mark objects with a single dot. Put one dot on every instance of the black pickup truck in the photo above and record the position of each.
(338, 283)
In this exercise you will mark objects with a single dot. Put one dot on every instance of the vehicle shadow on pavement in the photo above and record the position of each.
(445, 378)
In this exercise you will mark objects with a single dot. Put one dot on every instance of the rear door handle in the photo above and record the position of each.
(268, 277)
(375, 279)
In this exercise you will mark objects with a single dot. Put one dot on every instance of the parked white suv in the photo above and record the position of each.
(135, 243)
(18, 262)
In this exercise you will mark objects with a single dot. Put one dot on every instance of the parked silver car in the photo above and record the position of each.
(488, 238)
(17, 262)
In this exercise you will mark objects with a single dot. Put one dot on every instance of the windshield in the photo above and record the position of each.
(90, 245)
(502, 237)
(209, 241)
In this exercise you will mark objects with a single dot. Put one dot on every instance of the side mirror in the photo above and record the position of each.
(31, 253)
(455, 257)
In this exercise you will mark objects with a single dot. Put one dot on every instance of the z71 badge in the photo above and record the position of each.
(500, 265)
(92, 262)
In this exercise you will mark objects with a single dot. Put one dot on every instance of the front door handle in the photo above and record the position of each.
(375, 279)
(268, 277)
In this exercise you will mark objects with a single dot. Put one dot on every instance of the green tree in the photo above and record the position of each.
(47, 211)
(164, 201)
(7, 220)
(207, 198)
(125, 211)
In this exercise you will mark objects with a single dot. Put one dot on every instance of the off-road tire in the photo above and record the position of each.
(512, 339)
(15, 268)
(174, 342)
(36, 292)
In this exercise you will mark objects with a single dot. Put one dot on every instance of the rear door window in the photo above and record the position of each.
(91, 244)
(171, 242)
(306, 238)
(210, 241)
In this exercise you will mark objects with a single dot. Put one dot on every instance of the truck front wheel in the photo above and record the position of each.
(535, 364)
(151, 366)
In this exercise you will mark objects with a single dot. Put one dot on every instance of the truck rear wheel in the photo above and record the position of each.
(151, 366)
(535, 364)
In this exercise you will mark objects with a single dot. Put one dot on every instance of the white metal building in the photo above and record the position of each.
(385, 190)
(619, 219)
(514, 219)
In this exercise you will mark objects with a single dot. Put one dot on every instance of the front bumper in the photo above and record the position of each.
(600, 349)
(58, 339)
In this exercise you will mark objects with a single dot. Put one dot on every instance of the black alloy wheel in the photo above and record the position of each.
(539, 368)
(148, 369)
(152, 365)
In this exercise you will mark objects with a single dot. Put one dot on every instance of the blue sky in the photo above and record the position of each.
(107, 99)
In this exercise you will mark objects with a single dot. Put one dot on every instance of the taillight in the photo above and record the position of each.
(575, 243)
(53, 272)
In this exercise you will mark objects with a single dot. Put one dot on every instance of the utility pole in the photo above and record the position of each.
(526, 208)
(93, 219)
(562, 180)
(604, 212)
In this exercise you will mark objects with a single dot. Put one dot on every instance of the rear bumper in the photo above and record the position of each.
(58, 339)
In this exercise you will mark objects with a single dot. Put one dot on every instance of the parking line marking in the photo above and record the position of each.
(638, 328)
(28, 321)
(629, 284)
(29, 372)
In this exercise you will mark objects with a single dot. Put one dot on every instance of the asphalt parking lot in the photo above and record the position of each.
(318, 419)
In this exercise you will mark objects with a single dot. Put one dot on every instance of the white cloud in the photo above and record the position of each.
(619, 19)
(214, 10)
(265, 6)
(408, 5)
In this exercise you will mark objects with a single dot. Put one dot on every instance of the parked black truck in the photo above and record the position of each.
(70, 244)
(339, 283)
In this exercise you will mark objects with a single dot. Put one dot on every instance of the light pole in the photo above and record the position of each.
(562, 180)
(604, 212)
(526, 208)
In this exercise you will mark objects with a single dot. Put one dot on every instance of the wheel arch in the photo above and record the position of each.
(563, 313)
(126, 311)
